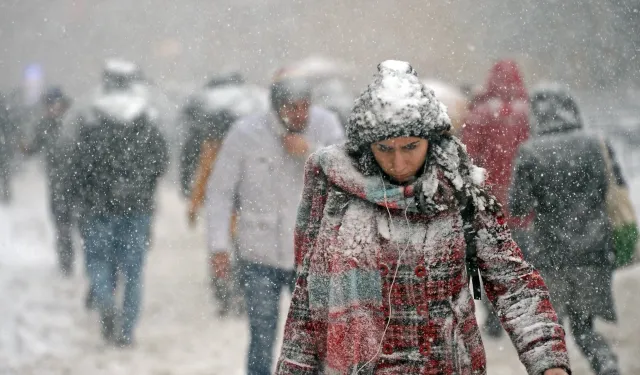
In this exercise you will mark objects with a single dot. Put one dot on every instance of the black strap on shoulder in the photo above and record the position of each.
(470, 236)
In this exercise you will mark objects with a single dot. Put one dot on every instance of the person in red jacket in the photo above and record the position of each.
(497, 123)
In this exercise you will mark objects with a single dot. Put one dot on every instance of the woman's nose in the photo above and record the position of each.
(398, 163)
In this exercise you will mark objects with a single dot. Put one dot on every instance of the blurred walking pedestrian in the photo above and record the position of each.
(561, 174)
(496, 124)
(381, 241)
(218, 107)
(118, 162)
(258, 172)
(56, 158)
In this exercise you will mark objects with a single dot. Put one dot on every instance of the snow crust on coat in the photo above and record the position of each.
(346, 220)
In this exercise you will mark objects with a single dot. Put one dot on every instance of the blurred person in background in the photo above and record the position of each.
(224, 288)
(219, 106)
(56, 158)
(119, 79)
(496, 124)
(119, 159)
(258, 173)
(561, 174)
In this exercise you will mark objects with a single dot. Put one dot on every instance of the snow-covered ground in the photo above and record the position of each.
(45, 330)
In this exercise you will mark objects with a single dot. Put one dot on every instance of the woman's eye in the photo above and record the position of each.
(410, 147)
(384, 148)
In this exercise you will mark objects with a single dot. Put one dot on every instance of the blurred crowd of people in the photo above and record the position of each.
(241, 161)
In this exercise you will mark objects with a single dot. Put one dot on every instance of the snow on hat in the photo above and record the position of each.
(395, 104)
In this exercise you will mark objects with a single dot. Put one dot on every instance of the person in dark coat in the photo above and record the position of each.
(561, 175)
(118, 163)
(47, 141)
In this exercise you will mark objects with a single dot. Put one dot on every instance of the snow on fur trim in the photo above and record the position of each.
(450, 154)
(395, 104)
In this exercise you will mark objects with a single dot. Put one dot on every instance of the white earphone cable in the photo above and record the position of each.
(393, 280)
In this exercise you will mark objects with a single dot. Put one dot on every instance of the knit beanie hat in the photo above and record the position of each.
(395, 104)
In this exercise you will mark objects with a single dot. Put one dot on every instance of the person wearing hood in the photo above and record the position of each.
(118, 161)
(496, 124)
(48, 141)
(561, 175)
(382, 283)
(258, 174)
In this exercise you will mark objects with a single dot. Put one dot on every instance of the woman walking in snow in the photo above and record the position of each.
(381, 253)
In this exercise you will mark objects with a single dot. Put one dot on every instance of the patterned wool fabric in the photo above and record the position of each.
(382, 284)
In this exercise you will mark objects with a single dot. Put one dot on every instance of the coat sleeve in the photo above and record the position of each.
(161, 153)
(299, 354)
(521, 198)
(221, 191)
(520, 298)
(208, 154)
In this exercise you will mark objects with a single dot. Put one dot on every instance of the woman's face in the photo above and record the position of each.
(401, 157)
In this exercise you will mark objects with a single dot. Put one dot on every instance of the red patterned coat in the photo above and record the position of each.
(382, 288)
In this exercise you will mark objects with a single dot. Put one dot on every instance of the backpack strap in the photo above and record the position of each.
(471, 260)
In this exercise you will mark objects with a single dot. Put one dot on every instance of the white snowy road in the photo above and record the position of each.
(45, 330)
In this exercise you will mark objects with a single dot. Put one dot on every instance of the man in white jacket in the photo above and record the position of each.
(259, 173)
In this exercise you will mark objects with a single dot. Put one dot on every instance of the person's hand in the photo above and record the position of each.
(296, 145)
(555, 371)
(221, 265)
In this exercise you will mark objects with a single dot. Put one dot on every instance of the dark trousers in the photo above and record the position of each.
(62, 220)
(263, 285)
(592, 344)
(118, 243)
(579, 294)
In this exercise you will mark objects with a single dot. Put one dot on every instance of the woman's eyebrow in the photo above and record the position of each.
(411, 144)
